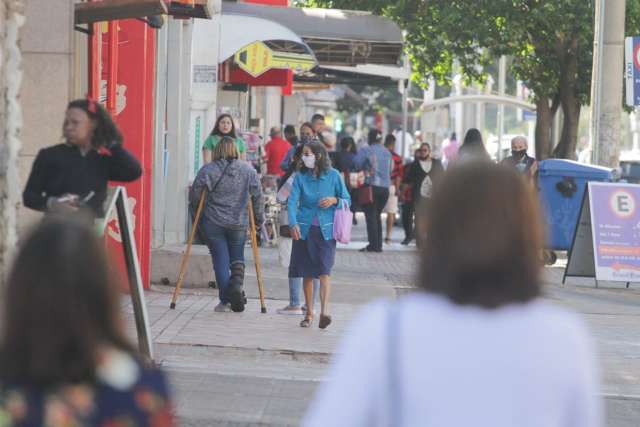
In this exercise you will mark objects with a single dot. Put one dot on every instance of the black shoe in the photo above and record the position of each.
(368, 249)
(235, 294)
(406, 242)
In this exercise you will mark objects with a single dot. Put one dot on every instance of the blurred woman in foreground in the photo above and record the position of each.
(64, 358)
(477, 346)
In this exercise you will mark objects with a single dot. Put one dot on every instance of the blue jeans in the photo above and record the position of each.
(226, 247)
(295, 289)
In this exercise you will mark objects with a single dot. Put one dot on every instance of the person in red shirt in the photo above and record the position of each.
(275, 151)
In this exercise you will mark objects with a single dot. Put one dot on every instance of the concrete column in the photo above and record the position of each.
(607, 82)
(11, 19)
(176, 181)
(160, 141)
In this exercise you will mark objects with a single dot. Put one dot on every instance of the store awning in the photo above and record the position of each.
(336, 37)
(239, 31)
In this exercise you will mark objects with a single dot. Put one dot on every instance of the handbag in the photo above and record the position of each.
(283, 220)
(365, 195)
(342, 222)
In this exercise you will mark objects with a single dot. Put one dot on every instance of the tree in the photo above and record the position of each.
(550, 41)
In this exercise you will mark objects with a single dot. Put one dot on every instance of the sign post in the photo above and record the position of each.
(606, 244)
(632, 70)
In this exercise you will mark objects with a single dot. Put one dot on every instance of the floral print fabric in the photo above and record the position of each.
(126, 395)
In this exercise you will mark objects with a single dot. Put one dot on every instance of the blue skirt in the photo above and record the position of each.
(313, 257)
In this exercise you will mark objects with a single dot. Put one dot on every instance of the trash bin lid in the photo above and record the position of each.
(562, 167)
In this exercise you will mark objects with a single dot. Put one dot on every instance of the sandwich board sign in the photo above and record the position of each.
(606, 244)
(118, 202)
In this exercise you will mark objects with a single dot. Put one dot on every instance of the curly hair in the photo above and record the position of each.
(106, 132)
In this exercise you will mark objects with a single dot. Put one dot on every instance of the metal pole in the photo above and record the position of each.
(502, 82)
(405, 113)
(607, 86)
(594, 131)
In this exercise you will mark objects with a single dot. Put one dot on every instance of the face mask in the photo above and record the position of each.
(518, 154)
(309, 161)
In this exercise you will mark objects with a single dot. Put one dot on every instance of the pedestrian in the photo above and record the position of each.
(307, 136)
(345, 164)
(225, 126)
(228, 183)
(450, 150)
(290, 135)
(376, 162)
(406, 197)
(275, 152)
(520, 160)
(65, 359)
(472, 147)
(285, 242)
(391, 208)
(477, 345)
(422, 175)
(317, 191)
(74, 174)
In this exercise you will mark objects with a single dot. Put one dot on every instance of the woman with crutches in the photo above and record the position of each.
(317, 190)
(229, 183)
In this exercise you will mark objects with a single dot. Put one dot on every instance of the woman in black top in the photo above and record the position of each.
(68, 176)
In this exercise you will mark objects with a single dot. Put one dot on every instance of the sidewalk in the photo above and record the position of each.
(231, 369)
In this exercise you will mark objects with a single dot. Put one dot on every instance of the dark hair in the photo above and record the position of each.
(323, 163)
(348, 144)
(389, 140)
(307, 125)
(374, 136)
(481, 237)
(60, 307)
(317, 117)
(216, 129)
(106, 131)
(289, 130)
(473, 145)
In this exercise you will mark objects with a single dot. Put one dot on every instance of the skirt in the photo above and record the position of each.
(313, 257)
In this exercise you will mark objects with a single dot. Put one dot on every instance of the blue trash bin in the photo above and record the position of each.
(562, 184)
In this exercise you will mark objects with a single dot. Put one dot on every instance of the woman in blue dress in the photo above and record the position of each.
(317, 191)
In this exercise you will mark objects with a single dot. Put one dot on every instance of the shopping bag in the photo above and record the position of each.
(365, 195)
(342, 223)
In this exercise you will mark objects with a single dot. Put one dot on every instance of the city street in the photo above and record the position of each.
(261, 369)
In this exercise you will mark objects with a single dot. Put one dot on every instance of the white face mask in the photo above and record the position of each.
(309, 161)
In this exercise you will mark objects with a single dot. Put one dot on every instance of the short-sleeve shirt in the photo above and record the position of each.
(213, 140)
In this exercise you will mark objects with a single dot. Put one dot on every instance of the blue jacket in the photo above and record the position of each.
(304, 200)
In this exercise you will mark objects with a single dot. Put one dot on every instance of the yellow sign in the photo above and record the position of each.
(257, 58)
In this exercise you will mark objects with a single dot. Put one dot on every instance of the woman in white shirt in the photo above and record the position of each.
(477, 346)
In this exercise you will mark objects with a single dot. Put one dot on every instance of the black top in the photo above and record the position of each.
(63, 169)
(414, 175)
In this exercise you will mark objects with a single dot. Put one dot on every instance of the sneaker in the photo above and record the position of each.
(223, 308)
(405, 242)
(290, 311)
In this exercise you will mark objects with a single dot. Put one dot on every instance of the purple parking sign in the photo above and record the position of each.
(615, 225)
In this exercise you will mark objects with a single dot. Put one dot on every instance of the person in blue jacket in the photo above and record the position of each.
(317, 190)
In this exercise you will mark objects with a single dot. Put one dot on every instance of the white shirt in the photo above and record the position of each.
(525, 365)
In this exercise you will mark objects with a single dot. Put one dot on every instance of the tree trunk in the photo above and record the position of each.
(544, 120)
(11, 19)
(568, 90)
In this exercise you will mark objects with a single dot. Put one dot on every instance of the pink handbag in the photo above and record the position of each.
(342, 222)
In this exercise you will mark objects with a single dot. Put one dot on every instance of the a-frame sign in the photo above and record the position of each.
(117, 200)
(606, 242)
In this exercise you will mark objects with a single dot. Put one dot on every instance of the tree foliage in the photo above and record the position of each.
(550, 41)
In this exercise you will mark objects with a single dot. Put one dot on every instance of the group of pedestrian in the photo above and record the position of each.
(476, 336)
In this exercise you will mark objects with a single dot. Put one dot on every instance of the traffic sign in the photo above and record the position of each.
(632, 70)
(257, 58)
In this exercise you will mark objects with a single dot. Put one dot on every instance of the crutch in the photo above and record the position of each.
(185, 256)
(256, 256)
